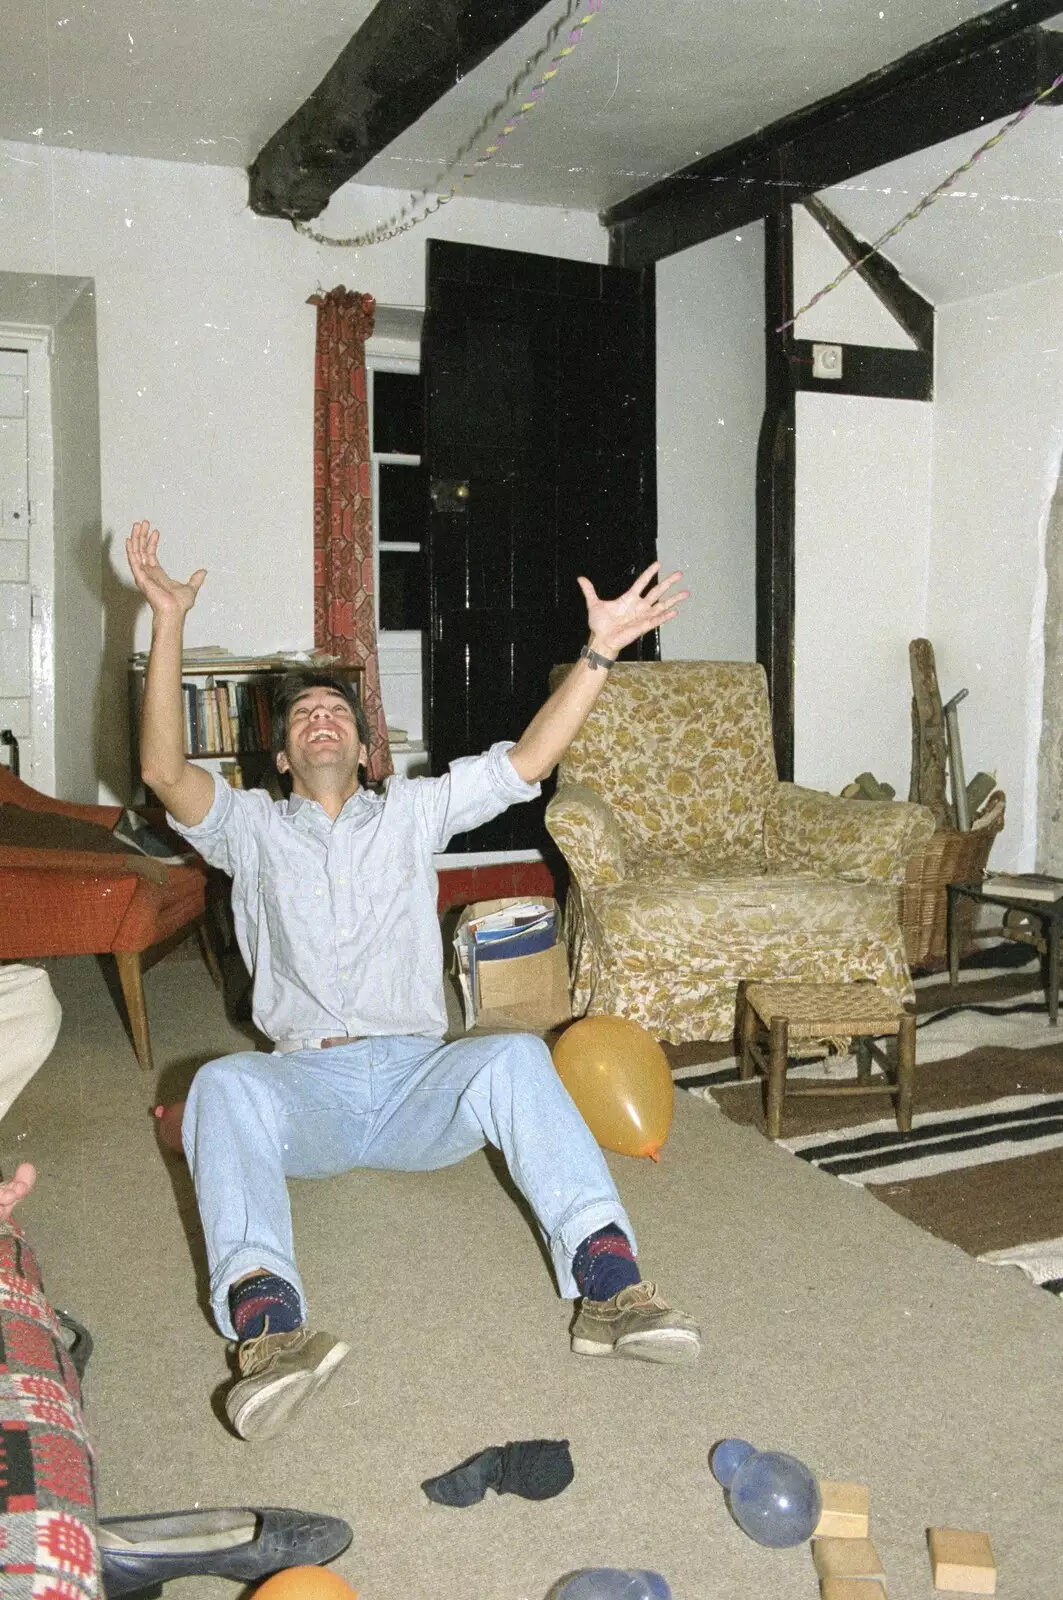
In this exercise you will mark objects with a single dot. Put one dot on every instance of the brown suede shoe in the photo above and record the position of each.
(638, 1323)
(278, 1372)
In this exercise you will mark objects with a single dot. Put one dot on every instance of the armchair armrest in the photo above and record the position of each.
(588, 835)
(860, 840)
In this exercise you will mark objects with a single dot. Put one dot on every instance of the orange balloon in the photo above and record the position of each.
(306, 1583)
(620, 1079)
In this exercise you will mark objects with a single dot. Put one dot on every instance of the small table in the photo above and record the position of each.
(1049, 914)
(804, 1011)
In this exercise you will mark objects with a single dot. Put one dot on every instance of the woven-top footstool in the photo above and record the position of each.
(798, 1012)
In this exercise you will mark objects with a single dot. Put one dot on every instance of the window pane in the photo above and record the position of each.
(398, 413)
(403, 590)
(403, 510)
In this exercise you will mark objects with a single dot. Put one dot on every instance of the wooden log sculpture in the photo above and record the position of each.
(929, 749)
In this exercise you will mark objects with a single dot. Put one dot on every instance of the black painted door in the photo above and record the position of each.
(540, 449)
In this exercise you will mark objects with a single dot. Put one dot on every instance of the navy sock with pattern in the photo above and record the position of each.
(264, 1296)
(604, 1264)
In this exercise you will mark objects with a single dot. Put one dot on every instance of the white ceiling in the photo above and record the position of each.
(653, 85)
(998, 225)
(179, 80)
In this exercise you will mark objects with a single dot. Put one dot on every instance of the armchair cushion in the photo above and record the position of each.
(67, 902)
(862, 841)
(671, 950)
(88, 863)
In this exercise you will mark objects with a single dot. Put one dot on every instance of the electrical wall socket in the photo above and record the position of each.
(826, 360)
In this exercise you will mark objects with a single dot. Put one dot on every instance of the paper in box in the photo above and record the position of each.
(529, 992)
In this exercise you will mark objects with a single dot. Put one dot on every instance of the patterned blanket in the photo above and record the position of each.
(47, 1476)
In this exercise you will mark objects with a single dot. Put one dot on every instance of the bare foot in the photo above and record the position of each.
(16, 1189)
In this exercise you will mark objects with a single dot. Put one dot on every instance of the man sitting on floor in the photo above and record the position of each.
(334, 905)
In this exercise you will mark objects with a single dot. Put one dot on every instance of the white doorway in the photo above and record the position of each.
(27, 556)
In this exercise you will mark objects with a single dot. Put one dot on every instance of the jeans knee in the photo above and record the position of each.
(219, 1081)
(526, 1060)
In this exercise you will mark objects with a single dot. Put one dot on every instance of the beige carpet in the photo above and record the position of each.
(833, 1328)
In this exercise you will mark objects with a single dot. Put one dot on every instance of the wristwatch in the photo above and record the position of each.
(594, 660)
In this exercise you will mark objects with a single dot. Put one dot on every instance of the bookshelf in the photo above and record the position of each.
(227, 710)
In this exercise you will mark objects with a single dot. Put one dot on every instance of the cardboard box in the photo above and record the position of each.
(522, 992)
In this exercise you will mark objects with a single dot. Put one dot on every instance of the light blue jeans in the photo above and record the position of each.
(408, 1104)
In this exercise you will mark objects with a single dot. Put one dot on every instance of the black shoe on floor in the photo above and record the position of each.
(140, 1554)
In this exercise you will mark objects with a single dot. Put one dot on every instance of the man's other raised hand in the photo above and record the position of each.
(616, 623)
(164, 594)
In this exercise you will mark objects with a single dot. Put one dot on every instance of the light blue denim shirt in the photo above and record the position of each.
(337, 920)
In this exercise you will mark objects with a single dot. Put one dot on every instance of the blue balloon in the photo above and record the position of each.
(775, 1499)
(727, 1457)
(610, 1583)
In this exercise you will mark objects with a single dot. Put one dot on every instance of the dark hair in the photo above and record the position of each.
(295, 684)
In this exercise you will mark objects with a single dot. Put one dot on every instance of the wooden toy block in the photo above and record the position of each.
(852, 1589)
(846, 1511)
(962, 1562)
(846, 1558)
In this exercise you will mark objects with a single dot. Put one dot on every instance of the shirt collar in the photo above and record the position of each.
(311, 813)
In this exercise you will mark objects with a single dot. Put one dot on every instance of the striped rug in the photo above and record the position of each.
(942, 1141)
(983, 1165)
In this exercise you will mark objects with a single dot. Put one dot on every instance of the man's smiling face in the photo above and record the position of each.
(322, 737)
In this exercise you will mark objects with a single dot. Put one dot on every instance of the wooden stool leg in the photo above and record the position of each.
(780, 1041)
(206, 950)
(131, 977)
(862, 1052)
(905, 1073)
(748, 1032)
(1051, 933)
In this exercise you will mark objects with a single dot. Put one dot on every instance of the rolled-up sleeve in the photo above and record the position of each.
(476, 789)
(227, 832)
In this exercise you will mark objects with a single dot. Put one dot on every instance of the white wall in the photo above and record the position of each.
(997, 442)
(929, 520)
(80, 763)
(862, 526)
(205, 346)
(710, 402)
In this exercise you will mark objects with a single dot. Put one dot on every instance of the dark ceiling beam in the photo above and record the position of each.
(985, 69)
(406, 55)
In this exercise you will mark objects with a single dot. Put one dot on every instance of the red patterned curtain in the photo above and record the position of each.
(344, 621)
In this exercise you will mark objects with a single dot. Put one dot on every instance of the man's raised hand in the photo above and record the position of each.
(163, 594)
(616, 623)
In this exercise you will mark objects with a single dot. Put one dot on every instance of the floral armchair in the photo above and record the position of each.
(693, 868)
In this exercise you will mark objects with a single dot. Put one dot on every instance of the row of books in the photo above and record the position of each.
(225, 718)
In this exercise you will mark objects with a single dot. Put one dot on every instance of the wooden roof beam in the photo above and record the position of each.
(973, 75)
(406, 55)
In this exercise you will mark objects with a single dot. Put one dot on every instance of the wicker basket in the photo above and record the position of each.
(948, 857)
